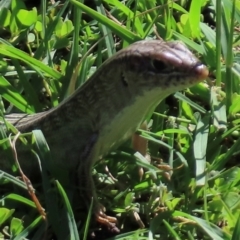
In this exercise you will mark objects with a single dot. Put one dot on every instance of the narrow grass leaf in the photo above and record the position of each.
(137, 234)
(211, 230)
(197, 107)
(88, 220)
(116, 28)
(209, 33)
(48, 29)
(154, 140)
(194, 18)
(50, 196)
(218, 110)
(9, 93)
(200, 147)
(21, 199)
(68, 86)
(218, 7)
(236, 232)
(40, 232)
(12, 179)
(109, 42)
(229, 57)
(225, 28)
(171, 230)
(72, 224)
(129, 13)
(142, 162)
(15, 53)
(178, 7)
(28, 88)
(189, 42)
(223, 159)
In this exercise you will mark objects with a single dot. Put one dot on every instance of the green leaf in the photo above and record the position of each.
(31, 37)
(63, 29)
(235, 107)
(5, 214)
(38, 26)
(5, 15)
(27, 18)
(129, 199)
(16, 226)
(17, 5)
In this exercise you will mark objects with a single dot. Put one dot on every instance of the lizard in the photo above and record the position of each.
(110, 106)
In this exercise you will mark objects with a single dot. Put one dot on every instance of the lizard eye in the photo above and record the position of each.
(159, 65)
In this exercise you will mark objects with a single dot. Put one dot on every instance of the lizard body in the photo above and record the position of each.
(112, 104)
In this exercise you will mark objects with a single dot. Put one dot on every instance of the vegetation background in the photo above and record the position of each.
(49, 48)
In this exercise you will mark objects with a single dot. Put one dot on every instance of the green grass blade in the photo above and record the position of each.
(119, 30)
(199, 148)
(8, 92)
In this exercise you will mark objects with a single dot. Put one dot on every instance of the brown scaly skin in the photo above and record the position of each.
(110, 106)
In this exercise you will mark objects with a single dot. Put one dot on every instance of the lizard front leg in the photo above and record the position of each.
(87, 188)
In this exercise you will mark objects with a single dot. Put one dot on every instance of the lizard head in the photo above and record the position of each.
(155, 64)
